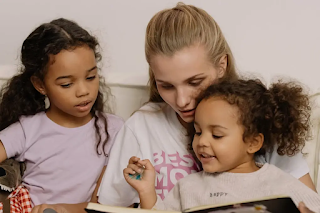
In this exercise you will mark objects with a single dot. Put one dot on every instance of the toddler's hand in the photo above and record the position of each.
(147, 175)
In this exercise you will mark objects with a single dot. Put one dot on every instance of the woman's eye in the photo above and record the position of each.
(167, 87)
(195, 82)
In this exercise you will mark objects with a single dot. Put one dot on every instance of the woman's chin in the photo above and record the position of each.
(185, 119)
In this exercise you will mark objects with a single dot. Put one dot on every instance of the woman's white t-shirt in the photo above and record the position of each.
(155, 133)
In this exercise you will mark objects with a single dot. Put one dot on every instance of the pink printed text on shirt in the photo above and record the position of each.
(170, 168)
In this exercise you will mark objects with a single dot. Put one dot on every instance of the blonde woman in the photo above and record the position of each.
(186, 52)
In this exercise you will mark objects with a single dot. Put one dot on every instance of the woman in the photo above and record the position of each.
(186, 52)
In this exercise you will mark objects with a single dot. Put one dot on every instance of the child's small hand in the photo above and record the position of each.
(145, 168)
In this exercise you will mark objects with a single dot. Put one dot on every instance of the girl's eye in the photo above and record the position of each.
(65, 85)
(91, 78)
(216, 136)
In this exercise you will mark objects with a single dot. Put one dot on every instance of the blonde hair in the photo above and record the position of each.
(171, 30)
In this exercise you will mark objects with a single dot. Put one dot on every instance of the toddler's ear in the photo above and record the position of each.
(255, 143)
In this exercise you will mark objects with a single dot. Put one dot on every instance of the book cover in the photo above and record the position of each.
(272, 205)
(278, 204)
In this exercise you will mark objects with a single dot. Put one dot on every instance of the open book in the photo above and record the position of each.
(275, 204)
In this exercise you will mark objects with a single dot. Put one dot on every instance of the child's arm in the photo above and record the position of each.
(144, 186)
(12, 141)
(3, 154)
(94, 197)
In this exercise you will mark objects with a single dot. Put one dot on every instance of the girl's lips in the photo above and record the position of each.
(84, 106)
(205, 160)
(83, 103)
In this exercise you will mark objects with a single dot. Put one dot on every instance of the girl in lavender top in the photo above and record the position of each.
(65, 146)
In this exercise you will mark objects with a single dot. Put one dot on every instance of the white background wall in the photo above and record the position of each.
(271, 37)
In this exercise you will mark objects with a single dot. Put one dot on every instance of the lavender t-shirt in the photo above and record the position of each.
(62, 163)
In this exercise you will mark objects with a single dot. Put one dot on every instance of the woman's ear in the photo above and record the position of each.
(255, 143)
(222, 66)
(38, 85)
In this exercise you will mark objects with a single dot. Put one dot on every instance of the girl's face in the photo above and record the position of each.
(72, 82)
(181, 77)
(218, 142)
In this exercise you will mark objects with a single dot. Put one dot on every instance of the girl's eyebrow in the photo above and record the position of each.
(217, 126)
(93, 68)
(187, 80)
(69, 76)
(62, 77)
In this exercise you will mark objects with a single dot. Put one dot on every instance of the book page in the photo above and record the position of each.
(114, 209)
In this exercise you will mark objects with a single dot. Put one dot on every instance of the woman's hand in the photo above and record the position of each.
(303, 209)
(56, 207)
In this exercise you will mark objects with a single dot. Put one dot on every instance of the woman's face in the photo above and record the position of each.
(181, 77)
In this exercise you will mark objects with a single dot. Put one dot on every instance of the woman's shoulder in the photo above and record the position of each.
(152, 107)
(151, 110)
(149, 114)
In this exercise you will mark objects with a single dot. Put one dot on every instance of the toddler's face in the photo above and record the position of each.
(218, 142)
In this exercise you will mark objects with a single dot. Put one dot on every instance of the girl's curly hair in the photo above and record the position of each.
(281, 113)
(18, 97)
